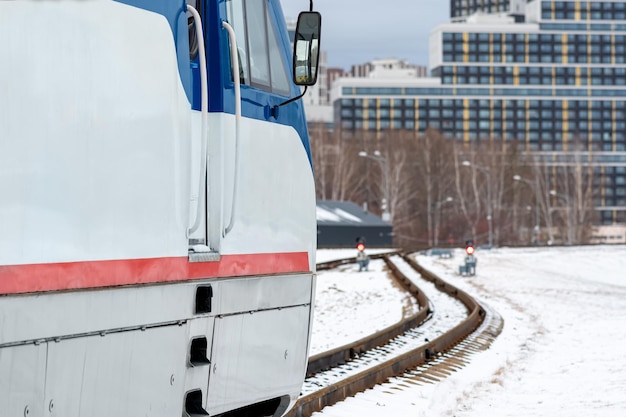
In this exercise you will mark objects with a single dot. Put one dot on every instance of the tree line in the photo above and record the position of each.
(437, 191)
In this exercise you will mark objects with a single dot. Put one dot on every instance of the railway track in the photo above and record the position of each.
(343, 354)
(447, 329)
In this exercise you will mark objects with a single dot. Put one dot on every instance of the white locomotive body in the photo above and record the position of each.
(157, 217)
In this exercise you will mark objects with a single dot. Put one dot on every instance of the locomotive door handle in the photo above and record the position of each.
(204, 109)
(234, 56)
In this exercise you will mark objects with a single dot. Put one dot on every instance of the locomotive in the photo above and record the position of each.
(157, 207)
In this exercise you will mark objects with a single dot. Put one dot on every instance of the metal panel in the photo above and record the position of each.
(22, 371)
(53, 315)
(260, 293)
(134, 373)
(257, 357)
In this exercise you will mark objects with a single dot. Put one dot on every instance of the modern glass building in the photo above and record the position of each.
(464, 8)
(555, 83)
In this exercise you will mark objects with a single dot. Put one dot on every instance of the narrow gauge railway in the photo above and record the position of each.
(323, 360)
(407, 394)
(455, 325)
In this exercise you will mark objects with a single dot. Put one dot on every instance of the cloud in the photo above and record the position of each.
(357, 31)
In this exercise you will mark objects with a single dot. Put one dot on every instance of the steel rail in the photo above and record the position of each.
(342, 354)
(306, 405)
(323, 266)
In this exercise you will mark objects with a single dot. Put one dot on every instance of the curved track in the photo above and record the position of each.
(340, 355)
(448, 327)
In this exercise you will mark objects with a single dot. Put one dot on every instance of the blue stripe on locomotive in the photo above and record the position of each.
(256, 103)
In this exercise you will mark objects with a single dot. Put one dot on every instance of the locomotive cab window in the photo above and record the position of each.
(261, 62)
(193, 39)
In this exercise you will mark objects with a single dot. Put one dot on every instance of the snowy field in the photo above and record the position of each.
(562, 351)
(365, 301)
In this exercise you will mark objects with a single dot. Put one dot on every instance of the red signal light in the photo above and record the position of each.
(469, 250)
(360, 247)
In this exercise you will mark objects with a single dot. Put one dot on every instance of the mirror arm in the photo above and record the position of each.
(293, 98)
(311, 6)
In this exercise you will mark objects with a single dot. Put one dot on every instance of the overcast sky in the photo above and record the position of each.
(358, 31)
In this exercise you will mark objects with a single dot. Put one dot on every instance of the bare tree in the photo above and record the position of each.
(393, 157)
(467, 190)
(543, 178)
(434, 168)
(573, 195)
(419, 179)
(566, 191)
(336, 164)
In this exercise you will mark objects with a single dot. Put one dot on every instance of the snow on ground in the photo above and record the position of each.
(562, 351)
(364, 301)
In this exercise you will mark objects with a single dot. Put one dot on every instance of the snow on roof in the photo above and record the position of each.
(345, 213)
(336, 215)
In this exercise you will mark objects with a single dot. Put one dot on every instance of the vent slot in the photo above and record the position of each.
(204, 295)
(198, 352)
(193, 404)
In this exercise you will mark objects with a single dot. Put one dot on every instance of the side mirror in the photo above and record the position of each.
(306, 48)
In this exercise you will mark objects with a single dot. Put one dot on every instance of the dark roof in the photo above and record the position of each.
(346, 213)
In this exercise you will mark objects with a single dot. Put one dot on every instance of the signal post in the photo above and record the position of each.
(469, 268)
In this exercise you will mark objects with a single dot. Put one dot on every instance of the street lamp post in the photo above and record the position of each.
(386, 215)
(570, 226)
(437, 206)
(444, 201)
(537, 218)
(489, 217)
